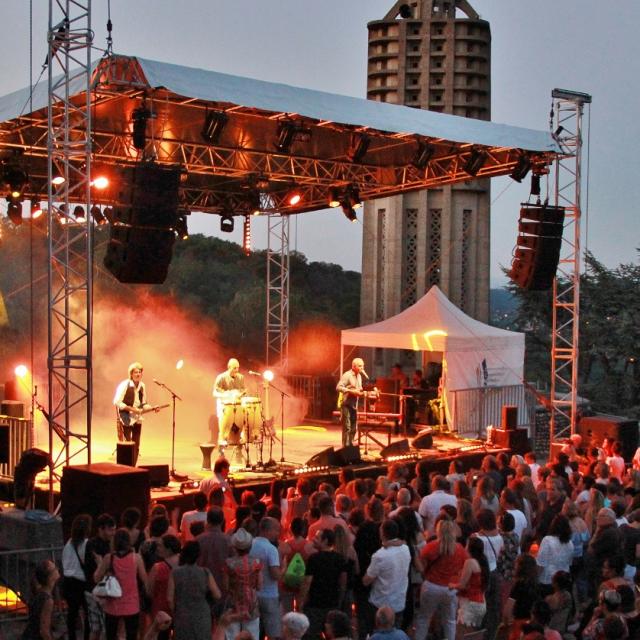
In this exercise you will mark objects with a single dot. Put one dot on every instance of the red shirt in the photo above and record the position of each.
(439, 569)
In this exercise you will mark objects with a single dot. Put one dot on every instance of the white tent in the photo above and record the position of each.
(474, 354)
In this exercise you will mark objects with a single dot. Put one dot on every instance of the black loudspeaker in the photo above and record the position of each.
(509, 417)
(326, 458)
(399, 448)
(424, 440)
(125, 453)
(158, 474)
(4, 443)
(348, 455)
(601, 426)
(102, 488)
(32, 462)
(141, 240)
(535, 259)
(12, 408)
(516, 440)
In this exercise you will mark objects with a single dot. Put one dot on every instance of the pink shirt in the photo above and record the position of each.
(126, 571)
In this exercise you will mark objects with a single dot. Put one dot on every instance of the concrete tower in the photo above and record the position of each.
(428, 54)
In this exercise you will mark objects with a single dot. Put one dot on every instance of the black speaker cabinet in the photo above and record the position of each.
(158, 474)
(102, 487)
(325, 458)
(126, 453)
(515, 439)
(398, 448)
(4, 443)
(12, 408)
(509, 417)
(348, 455)
(598, 427)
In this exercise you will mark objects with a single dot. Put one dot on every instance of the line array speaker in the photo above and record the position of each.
(536, 256)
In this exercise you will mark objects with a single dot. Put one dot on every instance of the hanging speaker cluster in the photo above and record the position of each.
(535, 258)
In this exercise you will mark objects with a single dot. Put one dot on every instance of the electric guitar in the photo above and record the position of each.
(126, 417)
(373, 394)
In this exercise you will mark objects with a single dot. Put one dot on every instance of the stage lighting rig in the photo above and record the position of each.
(226, 223)
(522, 168)
(214, 124)
(359, 146)
(140, 116)
(423, 155)
(474, 162)
(246, 236)
(181, 227)
(14, 210)
(288, 131)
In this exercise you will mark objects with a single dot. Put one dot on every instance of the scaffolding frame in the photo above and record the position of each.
(566, 121)
(278, 265)
(70, 272)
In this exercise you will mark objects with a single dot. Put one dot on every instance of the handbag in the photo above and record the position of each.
(108, 587)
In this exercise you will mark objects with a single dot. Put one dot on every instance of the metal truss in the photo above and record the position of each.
(277, 336)
(70, 246)
(567, 114)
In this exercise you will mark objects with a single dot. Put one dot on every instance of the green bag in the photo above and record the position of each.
(294, 574)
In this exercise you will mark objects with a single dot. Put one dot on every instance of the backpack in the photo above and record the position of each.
(294, 574)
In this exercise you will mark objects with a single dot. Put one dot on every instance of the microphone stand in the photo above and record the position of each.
(283, 394)
(174, 396)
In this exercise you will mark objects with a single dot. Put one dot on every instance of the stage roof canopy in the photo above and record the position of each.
(264, 139)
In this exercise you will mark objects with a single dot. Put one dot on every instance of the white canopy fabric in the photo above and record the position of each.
(474, 354)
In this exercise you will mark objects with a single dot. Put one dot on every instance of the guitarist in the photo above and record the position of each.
(350, 389)
(130, 401)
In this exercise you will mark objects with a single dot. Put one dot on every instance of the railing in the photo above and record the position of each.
(475, 409)
(308, 388)
(16, 571)
(19, 440)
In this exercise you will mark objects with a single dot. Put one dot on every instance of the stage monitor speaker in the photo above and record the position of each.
(158, 474)
(424, 439)
(126, 453)
(509, 417)
(516, 440)
(601, 426)
(102, 487)
(399, 448)
(4, 443)
(348, 455)
(12, 408)
(326, 458)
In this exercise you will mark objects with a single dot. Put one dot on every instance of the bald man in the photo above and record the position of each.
(227, 390)
(350, 389)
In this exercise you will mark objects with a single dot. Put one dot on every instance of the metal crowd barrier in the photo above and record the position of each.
(19, 441)
(476, 408)
(16, 571)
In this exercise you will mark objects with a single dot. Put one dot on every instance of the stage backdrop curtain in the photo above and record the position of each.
(474, 354)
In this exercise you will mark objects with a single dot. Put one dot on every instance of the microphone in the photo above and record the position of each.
(364, 373)
(255, 373)
(160, 384)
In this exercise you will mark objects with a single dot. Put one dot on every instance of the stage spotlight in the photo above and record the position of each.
(286, 134)
(179, 364)
(78, 213)
(334, 197)
(262, 182)
(423, 155)
(535, 184)
(57, 179)
(359, 146)
(293, 197)
(14, 210)
(181, 227)
(21, 371)
(226, 223)
(214, 123)
(139, 135)
(100, 183)
(268, 375)
(246, 236)
(97, 215)
(36, 210)
(474, 162)
(349, 212)
(352, 196)
(15, 177)
(523, 166)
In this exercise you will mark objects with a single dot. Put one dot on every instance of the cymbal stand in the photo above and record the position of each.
(173, 474)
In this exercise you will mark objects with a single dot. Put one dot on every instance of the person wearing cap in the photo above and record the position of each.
(350, 390)
(241, 581)
(131, 402)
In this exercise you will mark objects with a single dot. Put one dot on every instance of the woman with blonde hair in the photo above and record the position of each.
(443, 560)
(486, 497)
(466, 521)
(596, 502)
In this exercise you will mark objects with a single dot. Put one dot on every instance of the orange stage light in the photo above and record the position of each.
(268, 375)
(179, 364)
(21, 371)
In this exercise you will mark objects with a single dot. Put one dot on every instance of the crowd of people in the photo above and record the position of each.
(512, 550)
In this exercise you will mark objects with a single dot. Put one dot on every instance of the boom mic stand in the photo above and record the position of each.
(178, 477)
(283, 394)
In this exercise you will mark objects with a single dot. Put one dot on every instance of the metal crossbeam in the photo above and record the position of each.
(277, 343)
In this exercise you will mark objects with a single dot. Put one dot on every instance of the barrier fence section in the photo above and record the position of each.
(16, 571)
(19, 441)
(477, 408)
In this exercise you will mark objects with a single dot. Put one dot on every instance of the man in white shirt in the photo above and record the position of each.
(388, 572)
(430, 506)
(509, 504)
(530, 459)
(199, 514)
